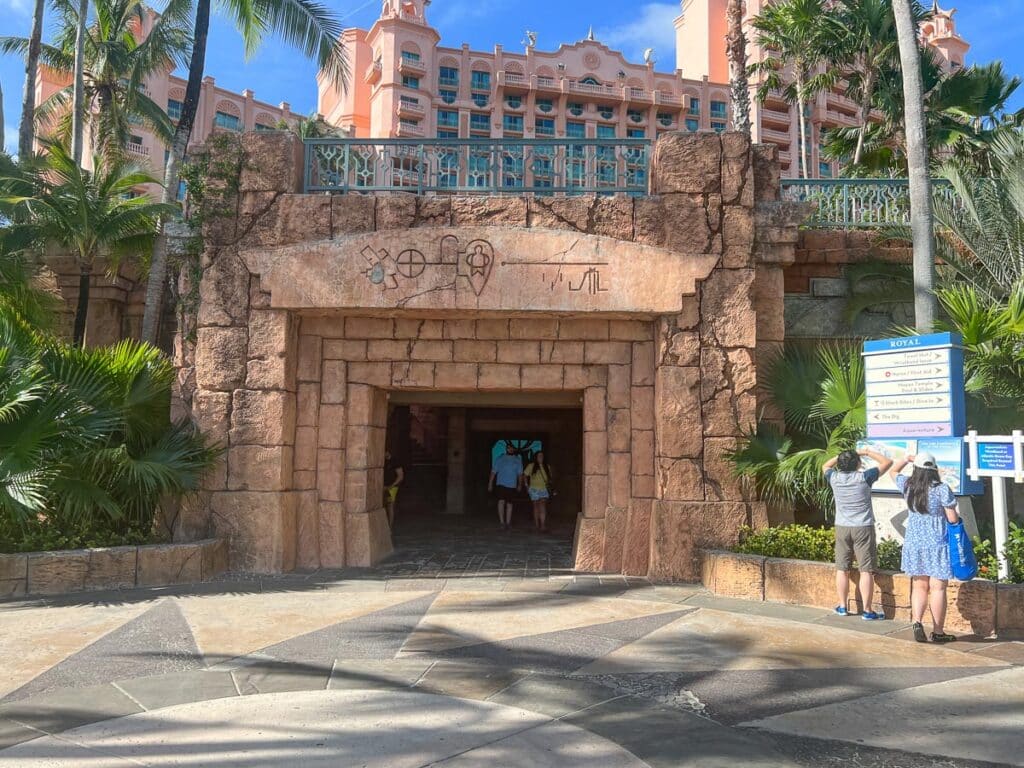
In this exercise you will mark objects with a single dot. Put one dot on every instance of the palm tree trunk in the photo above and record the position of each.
(736, 51)
(158, 264)
(865, 113)
(925, 304)
(78, 95)
(26, 129)
(3, 142)
(82, 308)
(802, 119)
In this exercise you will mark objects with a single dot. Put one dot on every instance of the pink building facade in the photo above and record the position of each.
(404, 84)
(700, 28)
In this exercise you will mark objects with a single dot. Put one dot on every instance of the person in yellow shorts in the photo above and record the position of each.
(537, 478)
(394, 474)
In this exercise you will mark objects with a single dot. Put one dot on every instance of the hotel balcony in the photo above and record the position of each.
(840, 118)
(409, 109)
(549, 84)
(372, 73)
(412, 67)
(638, 95)
(405, 130)
(137, 150)
(513, 80)
(776, 116)
(668, 99)
(776, 137)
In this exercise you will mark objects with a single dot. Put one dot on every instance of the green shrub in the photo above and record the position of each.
(800, 542)
(988, 566)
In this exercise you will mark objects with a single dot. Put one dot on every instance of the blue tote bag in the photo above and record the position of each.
(961, 552)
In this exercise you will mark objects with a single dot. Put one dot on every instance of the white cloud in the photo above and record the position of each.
(18, 7)
(651, 27)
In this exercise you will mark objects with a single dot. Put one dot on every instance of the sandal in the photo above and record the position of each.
(942, 637)
(919, 633)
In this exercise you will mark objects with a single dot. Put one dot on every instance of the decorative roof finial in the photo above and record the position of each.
(935, 6)
(590, 33)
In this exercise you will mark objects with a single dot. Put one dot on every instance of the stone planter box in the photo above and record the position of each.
(977, 607)
(78, 570)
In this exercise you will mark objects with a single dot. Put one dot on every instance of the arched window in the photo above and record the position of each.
(590, 81)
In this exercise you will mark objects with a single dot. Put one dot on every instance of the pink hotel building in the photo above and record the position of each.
(404, 84)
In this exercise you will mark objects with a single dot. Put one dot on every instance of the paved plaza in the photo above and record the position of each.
(487, 658)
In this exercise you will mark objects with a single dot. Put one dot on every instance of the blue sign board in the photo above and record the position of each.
(914, 387)
(996, 457)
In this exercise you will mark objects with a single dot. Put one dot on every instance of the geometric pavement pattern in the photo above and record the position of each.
(563, 668)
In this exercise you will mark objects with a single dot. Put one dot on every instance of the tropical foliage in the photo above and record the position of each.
(88, 213)
(803, 542)
(86, 444)
(820, 394)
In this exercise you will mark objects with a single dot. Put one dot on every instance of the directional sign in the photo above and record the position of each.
(914, 386)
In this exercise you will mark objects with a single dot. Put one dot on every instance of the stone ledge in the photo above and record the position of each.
(977, 607)
(77, 570)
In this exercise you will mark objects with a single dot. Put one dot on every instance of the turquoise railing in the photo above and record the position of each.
(478, 166)
(855, 203)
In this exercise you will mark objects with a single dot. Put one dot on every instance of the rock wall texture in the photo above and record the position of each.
(291, 372)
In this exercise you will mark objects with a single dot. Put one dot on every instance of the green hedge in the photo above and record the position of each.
(802, 542)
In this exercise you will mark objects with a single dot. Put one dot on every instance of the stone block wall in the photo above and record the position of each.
(294, 381)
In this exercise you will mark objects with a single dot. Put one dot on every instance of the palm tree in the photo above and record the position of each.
(26, 129)
(117, 65)
(917, 166)
(307, 25)
(736, 51)
(89, 213)
(85, 440)
(78, 105)
(871, 48)
(795, 36)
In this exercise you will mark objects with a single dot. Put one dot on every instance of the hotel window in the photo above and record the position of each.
(545, 126)
(718, 109)
(224, 120)
(447, 134)
(512, 123)
(513, 102)
(449, 76)
(411, 82)
(448, 118)
(412, 100)
(825, 170)
(408, 121)
(173, 109)
(590, 81)
(481, 99)
(635, 115)
(480, 81)
(479, 122)
(545, 105)
(410, 56)
(606, 113)
(665, 118)
(635, 133)
(575, 129)
(135, 139)
(694, 105)
(575, 108)
(448, 97)
(691, 124)
(717, 127)
(606, 131)
(262, 127)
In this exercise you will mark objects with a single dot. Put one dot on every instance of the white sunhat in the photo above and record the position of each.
(925, 460)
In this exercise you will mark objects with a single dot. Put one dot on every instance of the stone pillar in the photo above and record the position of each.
(455, 491)
(367, 537)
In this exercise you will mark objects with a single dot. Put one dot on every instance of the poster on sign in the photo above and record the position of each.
(950, 455)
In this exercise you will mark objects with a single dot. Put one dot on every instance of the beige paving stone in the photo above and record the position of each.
(715, 640)
(458, 619)
(233, 625)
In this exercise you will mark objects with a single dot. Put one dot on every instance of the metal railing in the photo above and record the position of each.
(856, 203)
(478, 166)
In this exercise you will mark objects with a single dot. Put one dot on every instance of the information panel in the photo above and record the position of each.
(914, 386)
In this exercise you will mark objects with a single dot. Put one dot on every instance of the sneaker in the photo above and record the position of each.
(872, 616)
(942, 637)
(840, 610)
(919, 633)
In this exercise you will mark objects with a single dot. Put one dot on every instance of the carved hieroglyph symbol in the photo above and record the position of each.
(380, 269)
(480, 259)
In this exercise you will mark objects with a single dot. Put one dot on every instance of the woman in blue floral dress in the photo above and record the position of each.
(932, 506)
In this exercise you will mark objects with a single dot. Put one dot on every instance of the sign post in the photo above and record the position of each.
(998, 457)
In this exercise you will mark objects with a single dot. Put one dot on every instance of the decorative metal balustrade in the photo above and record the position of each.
(478, 166)
(856, 203)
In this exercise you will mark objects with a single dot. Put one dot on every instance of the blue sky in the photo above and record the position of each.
(993, 27)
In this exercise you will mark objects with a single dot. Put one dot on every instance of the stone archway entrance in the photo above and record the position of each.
(654, 310)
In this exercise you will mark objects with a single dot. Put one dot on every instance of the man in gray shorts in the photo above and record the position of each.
(855, 523)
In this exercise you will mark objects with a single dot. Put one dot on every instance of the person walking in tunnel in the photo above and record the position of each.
(537, 478)
(394, 474)
(507, 472)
